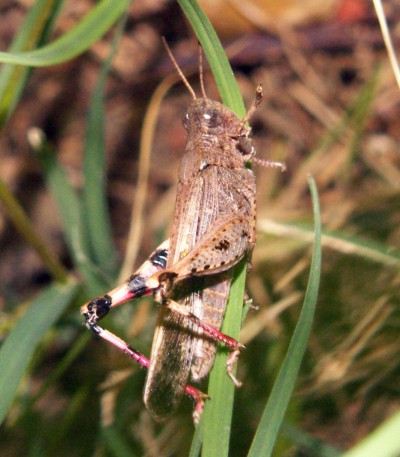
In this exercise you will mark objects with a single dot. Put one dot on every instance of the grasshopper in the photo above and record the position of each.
(189, 275)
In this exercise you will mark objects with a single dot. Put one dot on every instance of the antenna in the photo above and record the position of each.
(180, 73)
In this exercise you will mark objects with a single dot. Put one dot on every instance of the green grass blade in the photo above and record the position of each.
(20, 344)
(92, 27)
(32, 32)
(218, 411)
(197, 440)
(382, 442)
(274, 412)
(69, 206)
(95, 208)
(227, 85)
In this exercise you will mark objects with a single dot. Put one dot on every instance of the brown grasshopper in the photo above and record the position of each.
(189, 275)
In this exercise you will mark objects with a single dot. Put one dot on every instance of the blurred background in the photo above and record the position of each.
(331, 109)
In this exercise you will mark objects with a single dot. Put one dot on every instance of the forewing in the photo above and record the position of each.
(170, 363)
(196, 208)
(174, 339)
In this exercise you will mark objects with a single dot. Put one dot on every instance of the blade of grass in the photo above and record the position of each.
(308, 443)
(360, 111)
(380, 14)
(139, 202)
(32, 32)
(69, 205)
(22, 223)
(95, 208)
(90, 28)
(274, 412)
(20, 344)
(197, 440)
(218, 411)
(339, 241)
(221, 389)
(227, 85)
